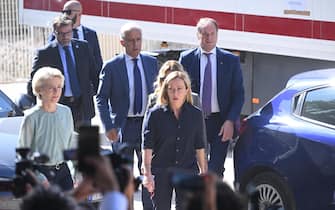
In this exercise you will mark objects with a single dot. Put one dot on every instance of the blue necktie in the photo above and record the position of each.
(207, 87)
(137, 88)
(71, 69)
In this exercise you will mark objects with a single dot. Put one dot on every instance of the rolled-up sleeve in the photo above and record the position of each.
(201, 138)
(148, 131)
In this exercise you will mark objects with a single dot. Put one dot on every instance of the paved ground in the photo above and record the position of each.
(14, 89)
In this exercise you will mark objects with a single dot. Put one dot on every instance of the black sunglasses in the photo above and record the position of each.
(69, 11)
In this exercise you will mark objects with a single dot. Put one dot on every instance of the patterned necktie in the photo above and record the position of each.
(75, 33)
(207, 87)
(137, 88)
(75, 87)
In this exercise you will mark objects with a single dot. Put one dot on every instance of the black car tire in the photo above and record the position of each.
(270, 192)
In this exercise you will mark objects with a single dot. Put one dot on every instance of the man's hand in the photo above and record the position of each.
(227, 130)
(113, 134)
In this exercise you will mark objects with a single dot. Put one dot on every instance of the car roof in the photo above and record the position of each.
(312, 78)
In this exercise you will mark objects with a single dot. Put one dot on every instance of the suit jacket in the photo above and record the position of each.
(91, 37)
(87, 73)
(230, 91)
(113, 93)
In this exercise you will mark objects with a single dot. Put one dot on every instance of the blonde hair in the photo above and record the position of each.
(41, 77)
(163, 98)
(168, 67)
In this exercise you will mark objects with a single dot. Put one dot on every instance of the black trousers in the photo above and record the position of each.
(59, 175)
(131, 135)
(163, 191)
(217, 148)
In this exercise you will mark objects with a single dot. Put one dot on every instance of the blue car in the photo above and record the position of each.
(286, 150)
(10, 120)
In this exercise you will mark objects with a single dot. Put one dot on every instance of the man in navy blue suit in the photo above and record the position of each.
(76, 62)
(73, 10)
(216, 76)
(125, 83)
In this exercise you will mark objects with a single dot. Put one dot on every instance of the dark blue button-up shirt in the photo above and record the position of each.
(174, 141)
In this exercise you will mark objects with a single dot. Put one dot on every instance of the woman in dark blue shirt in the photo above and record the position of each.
(173, 139)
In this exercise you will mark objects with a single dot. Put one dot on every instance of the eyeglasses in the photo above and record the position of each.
(63, 33)
(69, 11)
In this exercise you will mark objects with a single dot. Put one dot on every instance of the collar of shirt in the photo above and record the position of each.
(61, 46)
(80, 32)
(183, 108)
(213, 51)
(129, 58)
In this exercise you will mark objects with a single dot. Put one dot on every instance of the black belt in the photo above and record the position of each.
(212, 115)
(134, 118)
(54, 167)
(69, 99)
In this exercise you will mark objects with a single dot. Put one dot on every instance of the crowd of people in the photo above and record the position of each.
(178, 119)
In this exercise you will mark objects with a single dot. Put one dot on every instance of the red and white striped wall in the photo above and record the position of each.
(302, 28)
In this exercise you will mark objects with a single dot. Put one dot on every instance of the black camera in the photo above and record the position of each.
(122, 165)
(89, 145)
(24, 161)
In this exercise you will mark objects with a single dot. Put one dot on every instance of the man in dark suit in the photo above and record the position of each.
(125, 83)
(73, 10)
(77, 64)
(216, 76)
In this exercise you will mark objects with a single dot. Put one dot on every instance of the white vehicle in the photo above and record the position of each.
(275, 39)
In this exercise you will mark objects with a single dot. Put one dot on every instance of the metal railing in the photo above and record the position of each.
(18, 44)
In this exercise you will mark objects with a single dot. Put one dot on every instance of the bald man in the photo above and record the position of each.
(73, 10)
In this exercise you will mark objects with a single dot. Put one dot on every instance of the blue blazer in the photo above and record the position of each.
(87, 73)
(113, 93)
(230, 91)
(91, 37)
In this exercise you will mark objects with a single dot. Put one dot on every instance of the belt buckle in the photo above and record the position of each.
(58, 166)
(71, 99)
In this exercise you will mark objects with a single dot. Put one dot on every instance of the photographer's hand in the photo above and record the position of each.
(104, 177)
(85, 188)
(210, 191)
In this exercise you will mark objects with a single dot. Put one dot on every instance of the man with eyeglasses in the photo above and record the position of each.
(73, 10)
(76, 62)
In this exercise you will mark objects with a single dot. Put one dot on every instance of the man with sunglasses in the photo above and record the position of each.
(76, 62)
(73, 10)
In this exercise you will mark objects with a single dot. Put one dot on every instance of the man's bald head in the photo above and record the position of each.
(73, 4)
(73, 10)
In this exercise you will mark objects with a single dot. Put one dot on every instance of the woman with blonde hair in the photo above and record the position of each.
(168, 67)
(48, 126)
(173, 139)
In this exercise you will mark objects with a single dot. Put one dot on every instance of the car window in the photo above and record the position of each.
(5, 107)
(319, 105)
